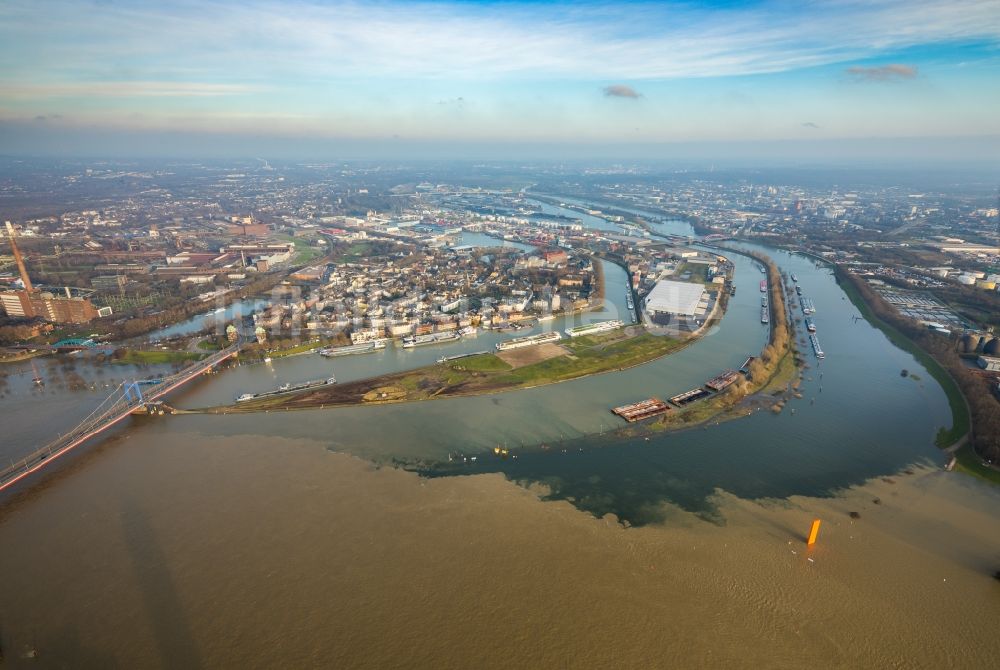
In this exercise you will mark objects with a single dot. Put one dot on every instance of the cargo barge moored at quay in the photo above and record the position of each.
(689, 397)
(641, 410)
(722, 380)
(816, 348)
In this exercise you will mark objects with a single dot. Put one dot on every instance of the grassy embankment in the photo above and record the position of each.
(961, 422)
(484, 373)
(156, 357)
(969, 462)
(20, 356)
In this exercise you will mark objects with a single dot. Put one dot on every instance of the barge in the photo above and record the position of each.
(528, 341)
(722, 380)
(816, 348)
(764, 316)
(430, 338)
(594, 328)
(363, 348)
(287, 388)
(689, 397)
(642, 410)
(810, 326)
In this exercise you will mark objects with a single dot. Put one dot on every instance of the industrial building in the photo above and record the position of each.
(669, 299)
(30, 303)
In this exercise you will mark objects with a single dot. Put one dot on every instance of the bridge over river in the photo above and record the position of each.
(126, 399)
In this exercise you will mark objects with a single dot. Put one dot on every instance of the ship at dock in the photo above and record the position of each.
(642, 410)
(765, 317)
(816, 348)
(810, 326)
(689, 397)
(528, 341)
(285, 389)
(594, 328)
(362, 348)
(763, 286)
(722, 380)
(430, 338)
(795, 279)
(808, 307)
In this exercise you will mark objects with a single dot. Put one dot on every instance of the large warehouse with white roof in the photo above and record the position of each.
(675, 298)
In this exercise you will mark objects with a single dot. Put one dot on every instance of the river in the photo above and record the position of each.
(207, 540)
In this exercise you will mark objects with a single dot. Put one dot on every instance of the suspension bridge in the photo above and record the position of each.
(128, 398)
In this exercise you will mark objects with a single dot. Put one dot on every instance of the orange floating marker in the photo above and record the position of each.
(813, 532)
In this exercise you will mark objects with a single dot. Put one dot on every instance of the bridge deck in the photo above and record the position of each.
(122, 402)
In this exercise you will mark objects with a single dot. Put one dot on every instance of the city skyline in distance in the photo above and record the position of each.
(889, 82)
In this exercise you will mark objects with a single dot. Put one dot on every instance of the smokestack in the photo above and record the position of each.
(18, 259)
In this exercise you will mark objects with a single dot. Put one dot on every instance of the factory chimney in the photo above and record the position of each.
(18, 259)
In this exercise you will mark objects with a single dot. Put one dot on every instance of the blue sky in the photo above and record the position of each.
(485, 74)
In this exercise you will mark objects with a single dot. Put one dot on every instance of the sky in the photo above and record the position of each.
(898, 78)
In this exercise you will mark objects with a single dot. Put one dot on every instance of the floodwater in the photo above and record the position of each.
(265, 541)
(215, 316)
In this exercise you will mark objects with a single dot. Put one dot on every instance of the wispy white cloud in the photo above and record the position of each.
(524, 70)
(268, 40)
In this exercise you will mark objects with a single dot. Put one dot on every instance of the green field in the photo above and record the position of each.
(591, 357)
(297, 349)
(480, 363)
(969, 462)
(154, 357)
